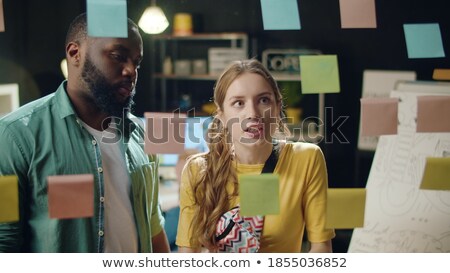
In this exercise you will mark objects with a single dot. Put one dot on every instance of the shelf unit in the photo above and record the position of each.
(231, 40)
(164, 42)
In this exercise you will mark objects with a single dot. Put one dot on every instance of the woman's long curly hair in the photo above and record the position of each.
(211, 198)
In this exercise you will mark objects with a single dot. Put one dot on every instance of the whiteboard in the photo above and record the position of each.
(378, 84)
(399, 217)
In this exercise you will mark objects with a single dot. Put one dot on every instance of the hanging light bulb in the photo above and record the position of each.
(153, 20)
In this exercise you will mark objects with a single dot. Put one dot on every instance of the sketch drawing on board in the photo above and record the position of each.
(399, 216)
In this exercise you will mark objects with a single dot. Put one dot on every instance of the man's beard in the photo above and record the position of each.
(103, 93)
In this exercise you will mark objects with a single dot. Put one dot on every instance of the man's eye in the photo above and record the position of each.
(118, 57)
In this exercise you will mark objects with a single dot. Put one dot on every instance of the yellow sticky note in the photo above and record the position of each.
(259, 194)
(441, 74)
(319, 74)
(437, 174)
(9, 199)
(345, 208)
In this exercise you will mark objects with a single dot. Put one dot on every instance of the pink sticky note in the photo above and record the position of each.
(433, 114)
(164, 133)
(2, 17)
(71, 196)
(358, 13)
(379, 116)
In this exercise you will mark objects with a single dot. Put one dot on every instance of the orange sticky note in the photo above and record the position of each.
(164, 133)
(379, 116)
(9, 199)
(71, 196)
(2, 17)
(433, 114)
(441, 74)
(358, 13)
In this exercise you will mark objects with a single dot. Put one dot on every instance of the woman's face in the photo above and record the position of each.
(250, 111)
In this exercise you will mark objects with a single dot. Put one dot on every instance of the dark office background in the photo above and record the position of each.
(33, 46)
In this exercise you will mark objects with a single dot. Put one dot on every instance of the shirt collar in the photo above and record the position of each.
(65, 109)
(64, 106)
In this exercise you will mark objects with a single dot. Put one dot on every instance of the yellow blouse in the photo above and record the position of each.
(303, 191)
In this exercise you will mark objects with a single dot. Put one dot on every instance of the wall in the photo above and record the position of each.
(33, 45)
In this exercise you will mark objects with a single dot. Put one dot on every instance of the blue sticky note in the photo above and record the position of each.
(280, 14)
(423, 41)
(107, 18)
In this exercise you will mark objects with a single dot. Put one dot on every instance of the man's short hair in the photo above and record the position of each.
(78, 29)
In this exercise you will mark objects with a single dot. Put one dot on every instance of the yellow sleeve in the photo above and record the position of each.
(315, 200)
(157, 221)
(187, 209)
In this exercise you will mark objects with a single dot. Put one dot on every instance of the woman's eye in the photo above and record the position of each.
(264, 100)
(238, 103)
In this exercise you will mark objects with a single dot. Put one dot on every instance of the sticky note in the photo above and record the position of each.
(70, 196)
(437, 174)
(2, 17)
(280, 14)
(379, 116)
(259, 194)
(9, 199)
(441, 74)
(107, 18)
(358, 13)
(423, 40)
(164, 133)
(433, 114)
(345, 208)
(319, 74)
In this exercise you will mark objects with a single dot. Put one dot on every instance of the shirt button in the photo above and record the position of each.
(94, 142)
(102, 199)
(100, 169)
(100, 233)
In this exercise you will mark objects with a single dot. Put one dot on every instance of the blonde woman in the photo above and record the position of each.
(248, 118)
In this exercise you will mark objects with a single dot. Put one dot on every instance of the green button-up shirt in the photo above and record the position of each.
(46, 138)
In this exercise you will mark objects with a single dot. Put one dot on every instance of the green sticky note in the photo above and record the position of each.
(9, 199)
(319, 74)
(345, 208)
(280, 15)
(107, 18)
(423, 41)
(259, 194)
(437, 174)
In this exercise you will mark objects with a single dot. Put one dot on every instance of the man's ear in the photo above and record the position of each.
(73, 54)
